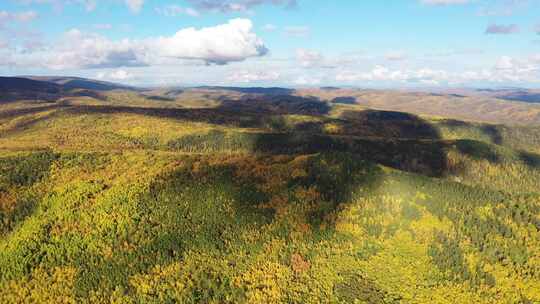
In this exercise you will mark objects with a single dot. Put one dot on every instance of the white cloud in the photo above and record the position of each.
(135, 5)
(228, 6)
(176, 10)
(505, 70)
(383, 74)
(233, 41)
(89, 5)
(502, 7)
(103, 26)
(309, 58)
(314, 59)
(117, 75)
(307, 81)
(505, 63)
(395, 56)
(445, 2)
(3, 44)
(508, 69)
(9, 17)
(535, 58)
(230, 42)
(502, 29)
(81, 50)
(269, 27)
(252, 76)
(297, 31)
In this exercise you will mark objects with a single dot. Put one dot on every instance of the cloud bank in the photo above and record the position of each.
(233, 41)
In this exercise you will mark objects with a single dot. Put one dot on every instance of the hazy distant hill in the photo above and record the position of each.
(455, 103)
(69, 83)
(253, 90)
(14, 88)
(513, 94)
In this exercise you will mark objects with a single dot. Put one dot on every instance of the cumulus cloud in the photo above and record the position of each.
(508, 69)
(230, 42)
(82, 50)
(227, 6)
(383, 74)
(444, 2)
(502, 29)
(176, 10)
(253, 76)
(505, 69)
(233, 41)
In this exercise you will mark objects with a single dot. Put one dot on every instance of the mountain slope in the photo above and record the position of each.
(278, 199)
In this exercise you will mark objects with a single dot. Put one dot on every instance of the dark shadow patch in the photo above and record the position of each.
(330, 88)
(10, 114)
(447, 255)
(356, 288)
(493, 133)
(279, 104)
(344, 100)
(19, 174)
(88, 93)
(530, 159)
(173, 93)
(478, 150)
(392, 124)
(522, 96)
(159, 98)
(453, 123)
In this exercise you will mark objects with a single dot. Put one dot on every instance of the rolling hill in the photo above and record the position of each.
(221, 195)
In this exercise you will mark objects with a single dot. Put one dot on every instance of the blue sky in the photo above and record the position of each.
(406, 43)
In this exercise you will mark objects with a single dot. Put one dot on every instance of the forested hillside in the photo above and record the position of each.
(199, 196)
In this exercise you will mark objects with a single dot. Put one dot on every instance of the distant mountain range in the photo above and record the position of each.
(504, 105)
(513, 94)
(70, 83)
(53, 88)
(61, 84)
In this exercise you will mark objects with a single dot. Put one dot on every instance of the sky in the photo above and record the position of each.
(291, 43)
